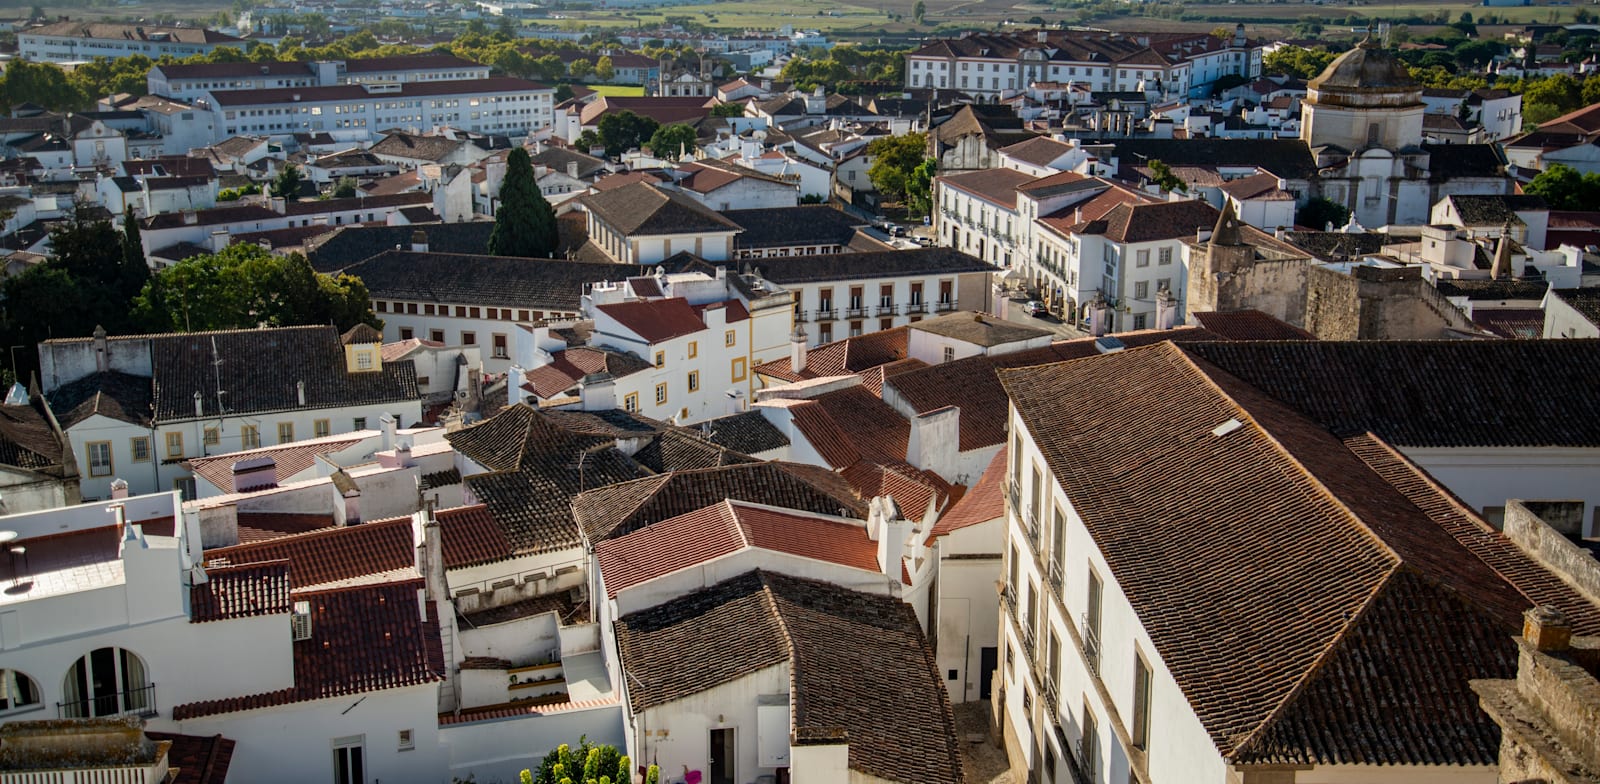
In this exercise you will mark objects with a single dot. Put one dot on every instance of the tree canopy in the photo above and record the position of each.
(287, 185)
(244, 286)
(894, 160)
(624, 131)
(524, 222)
(670, 140)
(1564, 188)
(1164, 177)
(587, 764)
(1319, 213)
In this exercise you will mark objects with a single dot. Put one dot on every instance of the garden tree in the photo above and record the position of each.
(1566, 189)
(604, 69)
(1319, 213)
(245, 285)
(134, 269)
(919, 11)
(287, 185)
(581, 69)
(1163, 176)
(234, 194)
(625, 131)
(734, 110)
(1296, 61)
(1549, 98)
(44, 84)
(524, 223)
(104, 76)
(670, 141)
(919, 188)
(345, 188)
(1227, 82)
(587, 764)
(894, 158)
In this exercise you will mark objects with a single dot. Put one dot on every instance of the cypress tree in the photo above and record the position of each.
(524, 223)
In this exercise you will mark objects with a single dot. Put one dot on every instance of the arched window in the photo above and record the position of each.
(18, 692)
(107, 682)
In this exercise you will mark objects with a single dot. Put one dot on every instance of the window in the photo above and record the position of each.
(285, 432)
(855, 329)
(1142, 258)
(825, 299)
(249, 436)
(630, 402)
(1141, 290)
(349, 760)
(106, 682)
(1091, 742)
(359, 423)
(661, 394)
(855, 297)
(1091, 622)
(694, 349)
(694, 381)
(141, 449)
(364, 360)
(320, 428)
(1141, 702)
(99, 458)
(824, 333)
(730, 338)
(469, 338)
(738, 370)
(886, 295)
(500, 350)
(1058, 540)
(1164, 256)
(436, 335)
(17, 692)
(1164, 283)
(946, 291)
(174, 445)
(661, 359)
(408, 740)
(949, 353)
(211, 436)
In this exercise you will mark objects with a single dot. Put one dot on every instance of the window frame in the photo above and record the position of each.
(89, 448)
(661, 394)
(134, 445)
(249, 436)
(694, 381)
(282, 426)
(321, 428)
(630, 402)
(173, 444)
(738, 370)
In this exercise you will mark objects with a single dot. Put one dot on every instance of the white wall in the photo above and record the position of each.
(677, 735)
(968, 605)
(1486, 477)
(498, 750)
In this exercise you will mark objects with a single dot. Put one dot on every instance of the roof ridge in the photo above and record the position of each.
(739, 526)
(298, 537)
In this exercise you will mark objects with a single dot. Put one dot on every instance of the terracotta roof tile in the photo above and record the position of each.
(656, 320)
(332, 555)
(984, 502)
(197, 759)
(242, 591)
(1249, 325)
(365, 638)
(851, 425)
(843, 357)
(911, 488)
(289, 459)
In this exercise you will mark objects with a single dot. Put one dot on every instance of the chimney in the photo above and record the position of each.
(300, 391)
(388, 425)
(797, 350)
(102, 350)
(933, 440)
(1044, 35)
(255, 473)
(190, 218)
(430, 553)
(347, 495)
(889, 529)
(1099, 314)
(199, 405)
(119, 488)
(419, 241)
(572, 169)
(280, 205)
(1501, 269)
(1166, 309)
(514, 392)
(1546, 629)
(598, 391)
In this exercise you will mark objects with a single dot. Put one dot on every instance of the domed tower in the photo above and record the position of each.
(1365, 98)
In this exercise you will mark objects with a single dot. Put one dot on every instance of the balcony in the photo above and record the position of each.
(917, 307)
(1026, 633)
(855, 313)
(826, 313)
(133, 702)
(1009, 594)
(802, 316)
(886, 310)
(945, 306)
(1091, 644)
(1056, 575)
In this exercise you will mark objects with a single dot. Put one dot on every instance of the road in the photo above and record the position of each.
(1015, 312)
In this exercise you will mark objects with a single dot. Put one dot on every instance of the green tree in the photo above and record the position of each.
(894, 158)
(581, 69)
(1163, 176)
(1319, 213)
(604, 69)
(919, 188)
(737, 109)
(1295, 61)
(1545, 99)
(1564, 188)
(245, 285)
(670, 141)
(134, 270)
(345, 188)
(287, 185)
(524, 223)
(919, 11)
(45, 84)
(624, 131)
(587, 764)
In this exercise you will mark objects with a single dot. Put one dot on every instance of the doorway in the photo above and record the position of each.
(722, 751)
(988, 661)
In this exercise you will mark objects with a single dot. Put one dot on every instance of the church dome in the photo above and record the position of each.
(1366, 76)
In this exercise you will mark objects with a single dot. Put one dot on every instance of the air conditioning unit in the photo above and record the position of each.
(300, 621)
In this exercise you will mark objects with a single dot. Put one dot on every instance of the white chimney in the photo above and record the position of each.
(890, 529)
(797, 351)
(1166, 309)
(199, 406)
(388, 425)
(572, 169)
(933, 440)
(300, 391)
(102, 350)
(419, 241)
(255, 473)
(514, 392)
(598, 391)
(119, 488)
(1099, 315)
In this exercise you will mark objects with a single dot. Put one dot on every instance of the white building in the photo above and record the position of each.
(642, 223)
(195, 81)
(135, 407)
(847, 294)
(76, 42)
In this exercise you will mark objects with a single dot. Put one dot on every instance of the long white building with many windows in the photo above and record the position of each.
(193, 81)
(72, 42)
(357, 112)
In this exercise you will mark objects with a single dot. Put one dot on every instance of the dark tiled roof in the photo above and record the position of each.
(197, 759)
(1486, 289)
(1249, 325)
(1495, 210)
(1285, 158)
(884, 264)
(541, 284)
(860, 666)
(1337, 245)
(118, 395)
(674, 450)
(363, 639)
(811, 224)
(843, 357)
(1585, 301)
(346, 245)
(242, 591)
(1449, 161)
(557, 158)
(1148, 222)
(1323, 671)
(356, 92)
(624, 508)
(406, 62)
(641, 209)
(748, 432)
(26, 438)
(1393, 388)
(417, 147)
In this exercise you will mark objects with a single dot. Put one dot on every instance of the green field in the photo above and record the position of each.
(618, 90)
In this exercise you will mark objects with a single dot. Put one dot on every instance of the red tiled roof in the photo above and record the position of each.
(197, 759)
(685, 541)
(911, 488)
(656, 320)
(291, 459)
(261, 526)
(736, 311)
(331, 555)
(363, 638)
(996, 186)
(851, 425)
(984, 502)
(242, 591)
(392, 352)
(566, 368)
(843, 357)
(519, 709)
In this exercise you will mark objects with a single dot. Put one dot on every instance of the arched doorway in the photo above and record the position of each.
(107, 682)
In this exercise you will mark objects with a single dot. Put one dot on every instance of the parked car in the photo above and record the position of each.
(1034, 308)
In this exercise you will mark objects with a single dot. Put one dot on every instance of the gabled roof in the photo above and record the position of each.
(861, 671)
(114, 394)
(338, 247)
(1249, 325)
(455, 278)
(27, 439)
(881, 264)
(1585, 301)
(849, 425)
(642, 209)
(809, 224)
(127, 32)
(1130, 223)
(418, 147)
(558, 159)
(1496, 209)
(725, 528)
(567, 368)
(711, 174)
(1039, 151)
(623, 508)
(656, 320)
(986, 500)
(242, 591)
(1349, 643)
(843, 357)
(996, 186)
(747, 432)
(288, 459)
(978, 329)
